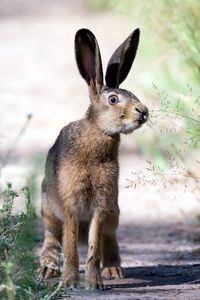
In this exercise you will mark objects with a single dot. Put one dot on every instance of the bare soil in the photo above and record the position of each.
(161, 261)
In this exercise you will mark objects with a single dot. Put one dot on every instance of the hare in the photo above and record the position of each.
(81, 173)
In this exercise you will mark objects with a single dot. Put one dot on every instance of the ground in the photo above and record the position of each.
(158, 236)
(161, 261)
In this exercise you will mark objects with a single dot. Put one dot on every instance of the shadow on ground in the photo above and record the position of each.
(163, 275)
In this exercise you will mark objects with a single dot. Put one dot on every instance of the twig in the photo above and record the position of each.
(16, 141)
(56, 291)
(10, 229)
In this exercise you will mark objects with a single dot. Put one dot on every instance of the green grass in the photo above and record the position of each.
(19, 263)
(17, 240)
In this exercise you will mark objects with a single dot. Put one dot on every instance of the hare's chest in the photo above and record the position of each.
(96, 147)
(87, 185)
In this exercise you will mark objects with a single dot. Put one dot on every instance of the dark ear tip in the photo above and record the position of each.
(82, 32)
(137, 31)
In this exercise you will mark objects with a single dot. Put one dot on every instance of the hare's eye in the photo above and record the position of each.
(113, 100)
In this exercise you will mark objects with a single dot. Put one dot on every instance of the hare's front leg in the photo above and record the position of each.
(93, 279)
(71, 273)
(110, 250)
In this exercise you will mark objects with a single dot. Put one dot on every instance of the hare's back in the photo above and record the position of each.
(62, 149)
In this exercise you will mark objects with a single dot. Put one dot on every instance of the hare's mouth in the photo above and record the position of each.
(128, 128)
(141, 121)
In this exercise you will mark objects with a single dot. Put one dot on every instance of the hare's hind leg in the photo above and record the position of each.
(110, 250)
(50, 258)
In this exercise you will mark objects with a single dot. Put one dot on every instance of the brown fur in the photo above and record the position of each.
(81, 184)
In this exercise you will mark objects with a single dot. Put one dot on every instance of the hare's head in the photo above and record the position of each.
(112, 109)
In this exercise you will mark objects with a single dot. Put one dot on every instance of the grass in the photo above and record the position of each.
(18, 262)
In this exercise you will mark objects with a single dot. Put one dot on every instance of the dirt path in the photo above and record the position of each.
(159, 244)
(161, 261)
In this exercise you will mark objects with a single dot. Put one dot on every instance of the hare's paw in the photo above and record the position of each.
(49, 268)
(71, 279)
(113, 272)
(93, 281)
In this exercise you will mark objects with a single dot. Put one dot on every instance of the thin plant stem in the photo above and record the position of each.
(11, 150)
(175, 113)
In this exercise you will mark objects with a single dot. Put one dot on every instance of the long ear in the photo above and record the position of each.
(88, 58)
(121, 61)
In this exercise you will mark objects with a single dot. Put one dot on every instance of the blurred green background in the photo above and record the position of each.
(170, 46)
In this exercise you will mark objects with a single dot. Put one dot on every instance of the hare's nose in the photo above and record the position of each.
(144, 113)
